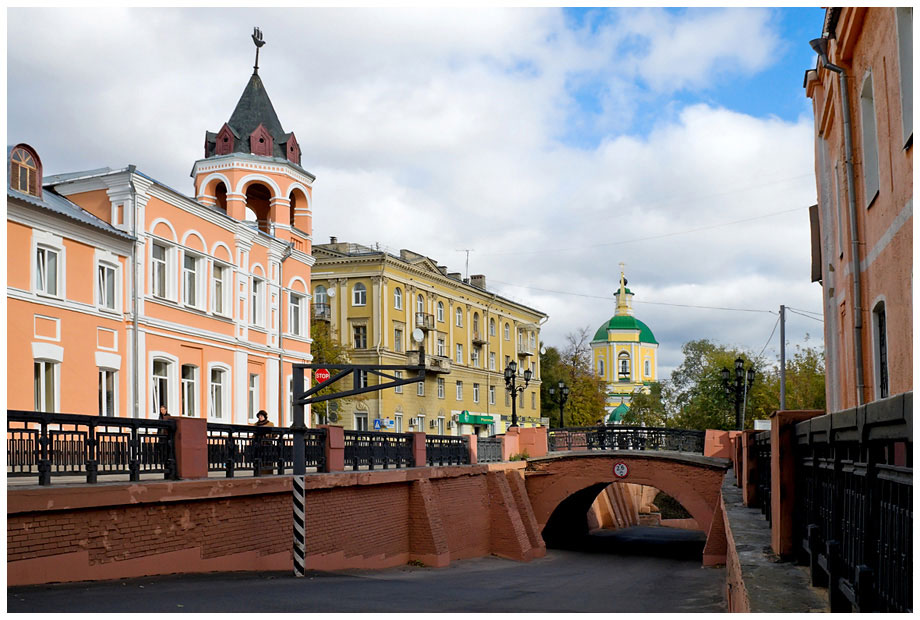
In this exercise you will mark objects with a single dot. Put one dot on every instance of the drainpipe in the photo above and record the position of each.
(820, 46)
(134, 337)
(286, 254)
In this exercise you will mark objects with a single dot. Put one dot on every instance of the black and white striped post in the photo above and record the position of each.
(300, 469)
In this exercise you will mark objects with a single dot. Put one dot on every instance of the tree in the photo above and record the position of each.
(326, 349)
(587, 393)
(648, 409)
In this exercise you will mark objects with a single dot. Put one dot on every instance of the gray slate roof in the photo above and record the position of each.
(253, 108)
(60, 205)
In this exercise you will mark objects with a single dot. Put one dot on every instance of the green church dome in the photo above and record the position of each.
(617, 414)
(625, 321)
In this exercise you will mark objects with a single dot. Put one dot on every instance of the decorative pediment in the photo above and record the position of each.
(225, 141)
(292, 150)
(261, 142)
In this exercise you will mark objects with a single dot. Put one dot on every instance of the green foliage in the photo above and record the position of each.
(647, 409)
(587, 393)
(326, 349)
(670, 508)
(520, 456)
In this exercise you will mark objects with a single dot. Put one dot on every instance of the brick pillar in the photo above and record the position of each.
(748, 468)
(782, 476)
(335, 447)
(511, 442)
(191, 447)
(534, 441)
(474, 448)
(419, 452)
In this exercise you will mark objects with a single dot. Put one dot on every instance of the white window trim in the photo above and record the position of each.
(459, 317)
(53, 243)
(226, 289)
(169, 275)
(55, 367)
(420, 389)
(459, 353)
(172, 378)
(440, 387)
(103, 259)
(226, 409)
(440, 311)
(195, 384)
(114, 373)
(459, 390)
(354, 295)
(257, 301)
(397, 298)
(252, 406)
(200, 278)
(491, 394)
(362, 415)
(475, 392)
(301, 323)
(398, 389)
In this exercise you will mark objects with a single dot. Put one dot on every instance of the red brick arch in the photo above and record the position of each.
(694, 481)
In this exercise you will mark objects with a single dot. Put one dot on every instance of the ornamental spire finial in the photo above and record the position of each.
(259, 42)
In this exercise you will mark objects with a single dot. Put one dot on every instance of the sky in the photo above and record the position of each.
(553, 144)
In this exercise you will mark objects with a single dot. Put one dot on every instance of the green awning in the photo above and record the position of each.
(466, 417)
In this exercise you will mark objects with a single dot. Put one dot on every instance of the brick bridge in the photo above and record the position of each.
(562, 487)
(358, 519)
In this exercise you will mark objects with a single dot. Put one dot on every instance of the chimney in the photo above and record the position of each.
(333, 239)
(455, 275)
(479, 281)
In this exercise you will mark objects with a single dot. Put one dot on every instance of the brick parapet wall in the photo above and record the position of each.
(354, 520)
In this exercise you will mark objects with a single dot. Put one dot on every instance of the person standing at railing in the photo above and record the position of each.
(262, 418)
(264, 443)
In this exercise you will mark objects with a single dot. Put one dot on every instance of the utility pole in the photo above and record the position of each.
(782, 358)
(466, 274)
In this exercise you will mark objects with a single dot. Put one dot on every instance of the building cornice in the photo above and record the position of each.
(252, 163)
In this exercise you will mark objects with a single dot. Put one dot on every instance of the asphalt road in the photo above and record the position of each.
(641, 569)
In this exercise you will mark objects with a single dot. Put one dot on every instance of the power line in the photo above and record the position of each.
(657, 303)
(805, 315)
(821, 314)
(770, 338)
(650, 238)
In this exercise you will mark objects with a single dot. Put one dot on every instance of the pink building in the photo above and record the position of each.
(124, 295)
(862, 226)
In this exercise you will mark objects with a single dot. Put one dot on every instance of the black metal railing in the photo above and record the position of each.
(372, 449)
(853, 511)
(263, 451)
(625, 438)
(488, 449)
(57, 444)
(763, 456)
(447, 450)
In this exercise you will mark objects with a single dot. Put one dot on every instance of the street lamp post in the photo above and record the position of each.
(737, 389)
(511, 385)
(563, 396)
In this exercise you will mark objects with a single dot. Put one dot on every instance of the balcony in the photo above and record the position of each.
(424, 321)
(322, 312)
(433, 363)
(524, 349)
(479, 338)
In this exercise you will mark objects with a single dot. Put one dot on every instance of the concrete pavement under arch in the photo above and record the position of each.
(571, 481)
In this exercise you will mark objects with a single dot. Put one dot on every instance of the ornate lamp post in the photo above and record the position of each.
(737, 389)
(563, 396)
(511, 377)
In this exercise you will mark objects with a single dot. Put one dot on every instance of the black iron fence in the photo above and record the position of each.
(447, 450)
(854, 510)
(263, 451)
(626, 438)
(488, 449)
(44, 445)
(763, 457)
(372, 449)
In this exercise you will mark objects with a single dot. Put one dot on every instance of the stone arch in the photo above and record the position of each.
(297, 284)
(221, 251)
(191, 235)
(258, 205)
(249, 179)
(300, 204)
(257, 270)
(693, 482)
(208, 186)
(163, 228)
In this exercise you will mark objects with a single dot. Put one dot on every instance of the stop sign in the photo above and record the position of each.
(321, 375)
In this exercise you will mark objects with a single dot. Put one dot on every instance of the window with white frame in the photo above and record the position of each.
(442, 347)
(475, 392)
(869, 141)
(218, 393)
(398, 389)
(507, 331)
(905, 21)
(420, 303)
(320, 295)
(189, 404)
(254, 396)
(474, 357)
(459, 314)
(491, 360)
(220, 287)
(47, 271)
(359, 295)
(624, 365)
(257, 302)
(46, 385)
(106, 286)
(459, 390)
(191, 280)
(648, 368)
(440, 426)
(398, 339)
(600, 367)
(419, 422)
(360, 336)
(160, 384)
(440, 311)
(397, 298)
(399, 422)
(491, 327)
(297, 317)
(440, 387)
(491, 394)
(360, 420)
(420, 388)
(159, 270)
(459, 353)
(360, 379)
(108, 401)
(533, 400)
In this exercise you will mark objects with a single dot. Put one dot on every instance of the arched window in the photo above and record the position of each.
(420, 303)
(648, 368)
(397, 298)
(623, 358)
(220, 192)
(459, 317)
(491, 327)
(476, 322)
(320, 296)
(25, 171)
(359, 295)
(600, 367)
(440, 311)
(507, 331)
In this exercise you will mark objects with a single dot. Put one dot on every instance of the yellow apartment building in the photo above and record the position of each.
(374, 300)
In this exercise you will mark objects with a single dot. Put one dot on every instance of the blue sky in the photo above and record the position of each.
(555, 143)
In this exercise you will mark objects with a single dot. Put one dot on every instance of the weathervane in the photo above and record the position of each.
(257, 39)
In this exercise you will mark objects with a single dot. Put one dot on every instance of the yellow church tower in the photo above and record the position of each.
(625, 355)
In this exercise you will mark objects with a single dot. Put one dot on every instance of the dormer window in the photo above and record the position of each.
(25, 171)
